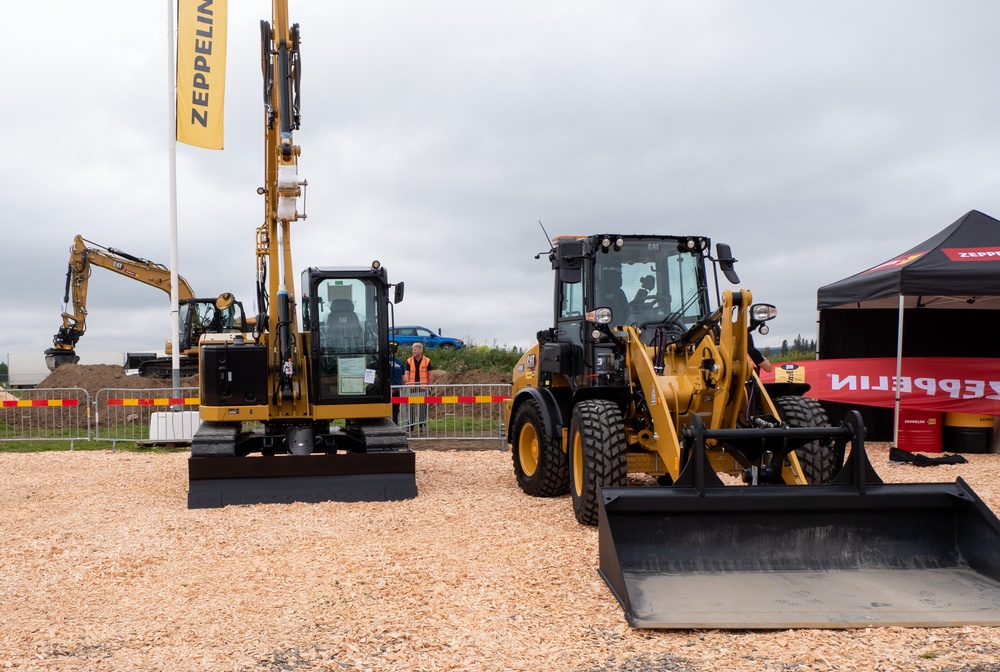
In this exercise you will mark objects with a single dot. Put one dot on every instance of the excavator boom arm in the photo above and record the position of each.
(84, 255)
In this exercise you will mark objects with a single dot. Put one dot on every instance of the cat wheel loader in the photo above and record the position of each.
(299, 412)
(722, 503)
(197, 316)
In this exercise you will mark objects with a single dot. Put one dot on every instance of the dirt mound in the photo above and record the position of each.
(94, 377)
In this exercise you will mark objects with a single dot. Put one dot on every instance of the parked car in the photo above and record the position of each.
(409, 335)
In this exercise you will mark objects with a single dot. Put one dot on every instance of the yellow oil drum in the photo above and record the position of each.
(967, 432)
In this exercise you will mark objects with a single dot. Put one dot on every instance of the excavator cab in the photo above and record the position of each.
(347, 319)
(222, 315)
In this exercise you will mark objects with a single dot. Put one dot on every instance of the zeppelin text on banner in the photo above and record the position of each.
(201, 72)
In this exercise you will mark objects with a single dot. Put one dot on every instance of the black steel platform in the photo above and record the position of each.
(349, 477)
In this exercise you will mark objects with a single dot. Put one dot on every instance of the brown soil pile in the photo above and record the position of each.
(94, 377)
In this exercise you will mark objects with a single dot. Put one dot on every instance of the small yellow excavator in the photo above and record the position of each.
(647, 372)
(197, 316)
(296, 413)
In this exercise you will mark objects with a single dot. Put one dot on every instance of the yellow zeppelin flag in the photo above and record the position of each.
(201, 72)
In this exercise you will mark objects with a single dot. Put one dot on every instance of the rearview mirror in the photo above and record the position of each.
(397, 295)
(569, 258)
(726, 261)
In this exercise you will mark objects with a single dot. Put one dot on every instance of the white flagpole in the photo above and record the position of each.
(172, 153)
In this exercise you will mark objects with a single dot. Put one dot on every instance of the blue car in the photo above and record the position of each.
(409, 335)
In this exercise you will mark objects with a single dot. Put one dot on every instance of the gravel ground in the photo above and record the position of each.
(102, 567)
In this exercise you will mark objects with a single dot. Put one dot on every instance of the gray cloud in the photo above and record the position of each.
(818, 140)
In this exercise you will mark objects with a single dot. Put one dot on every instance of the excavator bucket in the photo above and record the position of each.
(853, 553)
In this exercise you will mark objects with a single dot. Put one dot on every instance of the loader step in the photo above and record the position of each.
(352, 477)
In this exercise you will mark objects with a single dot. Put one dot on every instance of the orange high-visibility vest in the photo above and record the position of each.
(424, 366)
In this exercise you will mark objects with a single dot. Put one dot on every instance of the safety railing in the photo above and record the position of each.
(146, 415)
(435, 412)
(450, 411)
(41, 414)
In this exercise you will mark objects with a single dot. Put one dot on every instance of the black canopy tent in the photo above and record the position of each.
(944, 294)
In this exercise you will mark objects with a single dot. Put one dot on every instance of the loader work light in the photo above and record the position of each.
(600, 316)
(762, 312)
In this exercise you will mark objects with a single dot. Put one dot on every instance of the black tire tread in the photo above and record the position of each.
(551, 479)
(605, 462)
(817, 459)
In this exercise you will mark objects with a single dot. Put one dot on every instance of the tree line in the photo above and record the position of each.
(800, 348)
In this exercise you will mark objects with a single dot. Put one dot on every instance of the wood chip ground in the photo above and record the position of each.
(103, 567)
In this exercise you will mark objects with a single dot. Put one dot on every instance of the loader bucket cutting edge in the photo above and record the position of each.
(351, 477)
(822, 556)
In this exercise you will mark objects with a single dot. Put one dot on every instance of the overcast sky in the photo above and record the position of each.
(818, 139)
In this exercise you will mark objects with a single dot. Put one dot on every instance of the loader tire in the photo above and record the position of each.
(540, 465)
(597, 455)
(817, 459)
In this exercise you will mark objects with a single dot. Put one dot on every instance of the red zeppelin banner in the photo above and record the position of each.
(943, 384)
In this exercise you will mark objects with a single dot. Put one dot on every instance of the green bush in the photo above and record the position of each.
(494, 358)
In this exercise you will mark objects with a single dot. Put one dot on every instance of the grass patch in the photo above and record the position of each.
(49, 445)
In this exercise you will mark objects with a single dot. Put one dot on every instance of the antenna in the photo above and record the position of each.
(545, 232)
(551, 246)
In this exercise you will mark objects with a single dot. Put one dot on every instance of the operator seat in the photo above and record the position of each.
(613, 296)
(343, 329)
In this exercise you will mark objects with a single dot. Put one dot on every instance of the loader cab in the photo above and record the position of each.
(347, 317)
(646, 281)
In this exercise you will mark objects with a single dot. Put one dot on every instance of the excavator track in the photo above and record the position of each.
(215, 439)
(218, 477)
(378, 435)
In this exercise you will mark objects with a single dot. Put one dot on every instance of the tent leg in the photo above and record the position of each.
(899, 374)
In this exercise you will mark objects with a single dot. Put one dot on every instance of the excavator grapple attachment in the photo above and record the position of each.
(347, 477)
(852, 553)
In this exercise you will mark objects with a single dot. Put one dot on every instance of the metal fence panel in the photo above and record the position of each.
(143, 415)
(450, 411)
(45, 414)
(146, 414)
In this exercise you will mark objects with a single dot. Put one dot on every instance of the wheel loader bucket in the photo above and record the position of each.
(853, 553)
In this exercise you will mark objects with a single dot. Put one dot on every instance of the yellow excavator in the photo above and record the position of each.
(299, 411)
(197, 316)
(643, 392)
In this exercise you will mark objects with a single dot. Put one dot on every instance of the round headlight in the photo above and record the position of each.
(602, 316)
(762, 312)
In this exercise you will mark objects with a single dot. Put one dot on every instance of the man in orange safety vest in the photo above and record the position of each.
(418, 377)
(418, 368)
